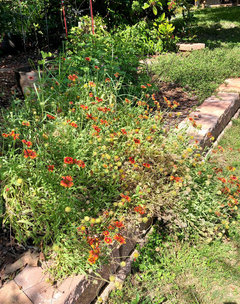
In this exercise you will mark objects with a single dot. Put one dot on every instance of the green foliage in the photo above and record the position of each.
(201, 71)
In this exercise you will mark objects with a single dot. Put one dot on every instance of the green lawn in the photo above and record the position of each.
(175, 273)
(203, 71)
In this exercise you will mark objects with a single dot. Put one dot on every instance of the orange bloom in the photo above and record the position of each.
(119, 224)
(96, 67)
(131, 159)
(139, 209)
(146, 165)
(87, 58)
(126, 197)
(84, 107)
(104, 110)
(92, 84)
(92, 260)
(73, 124)
(106, 233)
(90, 94)
(118, 237)
(96, 128)
(5, 135)
(104, 122)
(28, 143)
(68, 160)
(116, 75)
(50, 168)
(107, 80)
(149, 85)
(136, 140)
(26, 123)
(80, 163)
(51, 117)
(108, 240)
(72, 77)
(30, 153)
(89, 116)
(66, 181)
(98, 99)
(14, 135)
(124, 131)
(143, 87)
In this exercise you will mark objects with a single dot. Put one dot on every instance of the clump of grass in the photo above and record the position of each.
(200, 71)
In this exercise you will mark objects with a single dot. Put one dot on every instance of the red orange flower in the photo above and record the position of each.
(104, 110)
(89, 116)
(50, 168)
(80, 163)
(72, 77)
(84, 107)
(51, 117)
(139, 209)
(14, 135)
(73, 124)
(108, 240)
(66, 181)
(118, 237)
(28, 143)
(5, 135)
(26, 123)
(131, 159)
(106, 233)
(124, 131)
(96, 128)
(119, 224)
(92, 259)
(136, 140)
(107, 80)
(68, 160)
(98, 99)
(30, 153)
(126, 197)
(146, 165)
(87, 58)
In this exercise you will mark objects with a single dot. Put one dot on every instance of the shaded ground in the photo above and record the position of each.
(8, 65)
(173, 92)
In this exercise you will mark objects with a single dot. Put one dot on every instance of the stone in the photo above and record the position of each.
(230, 85)
(189, 47)
(10, 293)
(33, 282)
(213, 115)
(27, 80)
(27, 258)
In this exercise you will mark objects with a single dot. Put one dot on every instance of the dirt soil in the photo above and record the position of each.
(8, 65)
(173, 92)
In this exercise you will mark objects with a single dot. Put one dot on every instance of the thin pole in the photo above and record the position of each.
(64, 17)
(92, 16)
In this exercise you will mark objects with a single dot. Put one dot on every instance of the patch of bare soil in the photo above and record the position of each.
(185, 101)
(8, 65)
